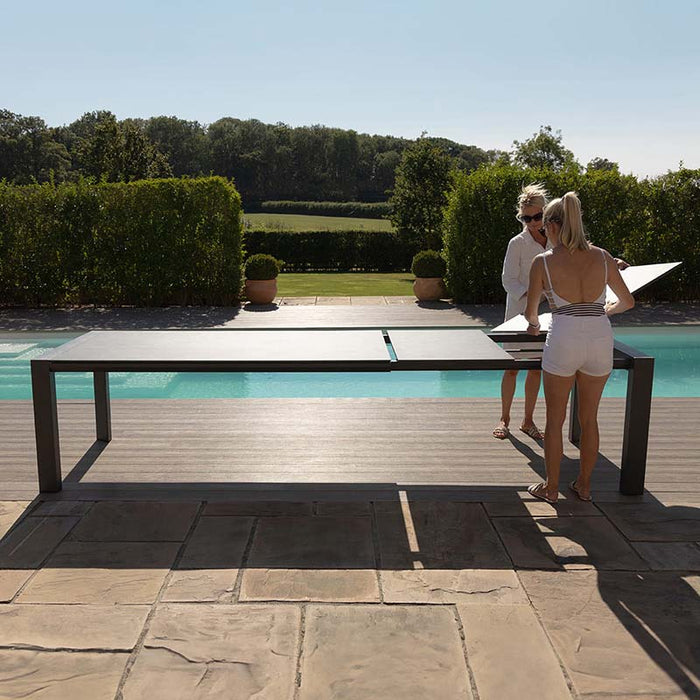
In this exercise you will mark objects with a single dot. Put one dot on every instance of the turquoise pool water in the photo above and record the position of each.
(676, 373)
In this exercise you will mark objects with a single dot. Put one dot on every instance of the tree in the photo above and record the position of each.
(545, 149)
(602, 164)
(29, 150)
(420, 193)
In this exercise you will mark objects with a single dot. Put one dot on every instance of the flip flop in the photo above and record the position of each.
(574, 488)
(501, 432)
(534, 432)
(532, 490)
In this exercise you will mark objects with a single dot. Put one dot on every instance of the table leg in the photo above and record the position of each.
(636, 432)
(574, 424)
(103, 413)
(48, 454)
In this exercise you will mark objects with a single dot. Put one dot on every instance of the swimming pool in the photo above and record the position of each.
(676, 373)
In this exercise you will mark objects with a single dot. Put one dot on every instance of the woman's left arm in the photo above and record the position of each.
(534, 294)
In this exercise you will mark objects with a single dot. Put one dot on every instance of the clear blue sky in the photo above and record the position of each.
(619, 78)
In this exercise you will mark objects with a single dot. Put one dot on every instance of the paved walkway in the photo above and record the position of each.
(404, 598)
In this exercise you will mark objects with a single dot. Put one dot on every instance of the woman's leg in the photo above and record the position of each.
(590, 390)
(507, 393)
(556, 394)
(532, 389)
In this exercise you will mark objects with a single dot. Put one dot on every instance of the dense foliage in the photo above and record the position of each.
(643, 221)
(267, 161)
(359, 210)
(334, 251)
(428, 263)
(262, 266)
(420, 193)
(151, 242)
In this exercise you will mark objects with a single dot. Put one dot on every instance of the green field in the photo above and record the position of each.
(345, 284)
(303, 222)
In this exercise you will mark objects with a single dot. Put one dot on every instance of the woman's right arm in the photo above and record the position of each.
(534, 294)
(511, 270)
(625, 300)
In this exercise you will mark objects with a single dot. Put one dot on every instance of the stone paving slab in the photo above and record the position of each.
(10, 513)
(669, 556)
(200, 586)
(621, 632)
(217, 542)
(356, 652)
(106, 627)
(568, 542)
(529, 508)
(258, 509)
(431, 535)
(213, 651)
(655, 523)
(60, 675)
(469, 586)
(11, 580)
(32, 541)
(77, 508)
(343, 508)
(326, 585)
(124, 521)
(510, 655)
(312, 558)
(102, 572)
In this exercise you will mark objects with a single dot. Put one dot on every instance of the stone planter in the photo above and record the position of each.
(261, 291)
(429, 288)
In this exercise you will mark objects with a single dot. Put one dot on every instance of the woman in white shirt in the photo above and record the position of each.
(522, 249)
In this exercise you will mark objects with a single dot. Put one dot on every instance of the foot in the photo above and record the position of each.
(532, 431)
(540, 491)
(583, 494)
(501, 431)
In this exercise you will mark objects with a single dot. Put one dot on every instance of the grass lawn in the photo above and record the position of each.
(302, 222)
(345, 284)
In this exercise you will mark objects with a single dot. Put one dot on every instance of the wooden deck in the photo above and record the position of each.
(336, 449)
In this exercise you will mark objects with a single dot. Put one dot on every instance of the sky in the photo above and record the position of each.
(619, 78)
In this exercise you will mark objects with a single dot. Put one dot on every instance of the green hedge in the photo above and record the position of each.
(645, 221)
(358, 210)
(333, 251)
(151, 242)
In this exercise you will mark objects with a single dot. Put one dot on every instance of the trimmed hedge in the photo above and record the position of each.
(151, 242)
(334, 251)
(359, 210)
(643, 222)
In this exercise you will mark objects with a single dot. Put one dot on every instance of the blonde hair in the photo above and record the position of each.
(534, 195)
(567, 211)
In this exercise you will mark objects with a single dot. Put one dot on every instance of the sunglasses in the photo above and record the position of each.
(527, 219)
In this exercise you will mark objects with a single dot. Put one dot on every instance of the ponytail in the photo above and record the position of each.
(567, 211)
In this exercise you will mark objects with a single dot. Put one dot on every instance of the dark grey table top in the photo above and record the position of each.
(223, 347)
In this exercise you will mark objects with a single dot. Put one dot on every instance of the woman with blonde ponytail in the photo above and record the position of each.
(579, 348)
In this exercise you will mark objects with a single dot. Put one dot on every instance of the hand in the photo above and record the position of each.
(621, 264)
(609, 305)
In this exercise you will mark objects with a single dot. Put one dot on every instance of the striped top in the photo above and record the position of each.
(562, 307)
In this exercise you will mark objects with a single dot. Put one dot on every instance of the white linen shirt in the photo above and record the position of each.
(522, 250)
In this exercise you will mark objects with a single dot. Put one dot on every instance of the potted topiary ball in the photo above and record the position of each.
(429, 267)
(261, 272)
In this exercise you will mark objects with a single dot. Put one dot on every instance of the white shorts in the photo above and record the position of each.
(579, 344)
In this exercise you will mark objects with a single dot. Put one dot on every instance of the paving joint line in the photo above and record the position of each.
(151, 613)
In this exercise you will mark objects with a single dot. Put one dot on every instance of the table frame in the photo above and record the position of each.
(640, 369)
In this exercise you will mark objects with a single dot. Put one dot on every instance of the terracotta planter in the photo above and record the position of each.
(261, 291)
(429, 288)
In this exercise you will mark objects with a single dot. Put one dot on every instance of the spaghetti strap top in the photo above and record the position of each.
(562, 307)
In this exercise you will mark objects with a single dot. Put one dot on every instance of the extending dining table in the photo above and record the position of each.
(364, 350)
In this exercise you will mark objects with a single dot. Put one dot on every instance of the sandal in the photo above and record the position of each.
(533, 431)
(501, 432)
(574, 488)
(538, 491)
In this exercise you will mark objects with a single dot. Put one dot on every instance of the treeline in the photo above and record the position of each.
(266, 161)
